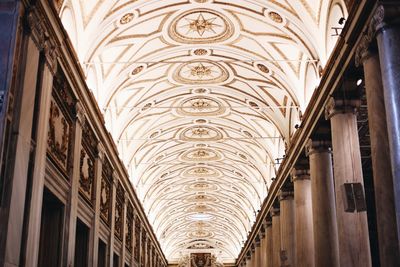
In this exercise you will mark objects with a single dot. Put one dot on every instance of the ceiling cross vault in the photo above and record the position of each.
(202, 97)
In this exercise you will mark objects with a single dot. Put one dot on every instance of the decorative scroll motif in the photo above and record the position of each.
(62, 112)
(129, 228)
(137, 239)
(119, 206)
(86, 175)
(105, 193)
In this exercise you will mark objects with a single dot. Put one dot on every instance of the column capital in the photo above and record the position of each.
(340, 106)
(386, 14)
(286, 194)
(101, 151)
(42, 38)
(80, 113)
(275, 212)
(300, 174)
(363, 51)
(268, 222)
(317, 146)
(115, 178)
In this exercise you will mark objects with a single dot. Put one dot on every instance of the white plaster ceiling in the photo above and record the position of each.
(202, 97)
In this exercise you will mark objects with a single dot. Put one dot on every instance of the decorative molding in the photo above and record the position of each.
(275, 212)
(317, 146)
(341, 106)
(386, 15)
(300, 174)
(42, 38)
(285, 195)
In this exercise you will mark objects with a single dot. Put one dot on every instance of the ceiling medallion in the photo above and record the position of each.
(200, 52)
(201, 106)
(263, 68)
(201, 155)
(128, 17)
(200, 121)
(201, 133)
(200, 171)
(201, 72)
(200, 91)
(137, 70)
(275, 17)
(200, 26)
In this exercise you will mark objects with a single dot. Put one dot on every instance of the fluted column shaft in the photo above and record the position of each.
(304, 240)
(326, 242)
(354, 247)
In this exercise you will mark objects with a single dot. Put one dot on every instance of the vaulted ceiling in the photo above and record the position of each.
(202, 97)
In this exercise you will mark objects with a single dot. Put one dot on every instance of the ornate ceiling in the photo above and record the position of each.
(202, 97)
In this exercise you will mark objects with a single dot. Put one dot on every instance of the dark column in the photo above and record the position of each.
(381, 165)
(386, 25)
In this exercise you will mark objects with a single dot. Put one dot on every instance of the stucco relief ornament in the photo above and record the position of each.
(128, 17)
(200, 26)
(200, 72)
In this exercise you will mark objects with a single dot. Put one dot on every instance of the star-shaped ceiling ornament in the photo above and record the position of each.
(201, 25)
(200, 71)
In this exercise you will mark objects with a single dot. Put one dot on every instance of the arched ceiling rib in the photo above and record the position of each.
(202, 97)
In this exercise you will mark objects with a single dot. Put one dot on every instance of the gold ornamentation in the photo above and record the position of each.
(275, 17)
(263, 68)
(201, 72)
(201, 133)
(200, 52)
(128, 17)
(200, 155)
(201, 106)
(137, 70)
(201, 26)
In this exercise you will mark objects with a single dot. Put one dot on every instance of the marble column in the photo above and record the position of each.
(276, 237)
(354, 247)
(72, 205)
(381, 165)
(263, 253)
(257, 253)
(287, 227)
(268, 243)
(304, 235)
(248, 260)
(387, 29)
(326, 242)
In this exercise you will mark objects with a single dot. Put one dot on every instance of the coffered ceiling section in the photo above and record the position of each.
(202, 97)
